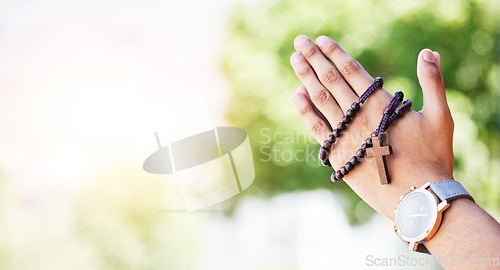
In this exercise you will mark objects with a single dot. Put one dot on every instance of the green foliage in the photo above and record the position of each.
(385, 37)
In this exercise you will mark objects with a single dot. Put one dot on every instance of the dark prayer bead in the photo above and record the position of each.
(334, 178)
(323, 149)
(327, 144)
(380, 80)
(388, 111)
(354, 160)
(344, 171)
(350, 113)
(363, 146)
(322, 156)
(369, 142)
(346, 119)
(339, 174)
(360, 153)
(349, 166)
(341, 126)
(355, 106)
(337, 132)
(332, 138)
(374, 134)
(326, 162)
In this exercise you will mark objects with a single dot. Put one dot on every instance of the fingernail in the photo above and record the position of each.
(429, 56)
(301, 40)
(297, 58)
(320, 41)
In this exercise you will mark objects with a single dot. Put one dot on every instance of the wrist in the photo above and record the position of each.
(420, 212)
(458, 209)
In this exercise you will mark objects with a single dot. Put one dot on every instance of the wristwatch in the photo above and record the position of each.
(419, 213)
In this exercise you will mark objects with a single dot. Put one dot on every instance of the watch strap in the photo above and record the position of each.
(422, 249)
(450, 190)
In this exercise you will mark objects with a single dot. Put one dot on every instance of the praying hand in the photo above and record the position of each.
(421, 154)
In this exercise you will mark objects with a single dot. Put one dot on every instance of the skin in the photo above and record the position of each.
(421, 141)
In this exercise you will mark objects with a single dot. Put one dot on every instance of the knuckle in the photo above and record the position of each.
(309, 51)
(321, 97)
(317, 129)
(304, 109)
(432, 74)
(303, 72)
(330, 47)
(351, 68)
(378, 106)
(330, 77)
(363, 122)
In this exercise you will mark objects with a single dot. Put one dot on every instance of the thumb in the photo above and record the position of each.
(431, 81)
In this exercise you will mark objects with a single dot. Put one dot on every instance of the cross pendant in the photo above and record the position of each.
(379, 152)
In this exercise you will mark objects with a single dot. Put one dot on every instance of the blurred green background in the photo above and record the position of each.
(385, 37)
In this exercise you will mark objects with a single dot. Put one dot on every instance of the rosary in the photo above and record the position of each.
(373, 147)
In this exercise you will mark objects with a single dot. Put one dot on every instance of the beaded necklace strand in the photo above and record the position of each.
(373, 146)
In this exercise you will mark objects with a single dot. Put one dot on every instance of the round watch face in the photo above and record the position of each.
(416, 215)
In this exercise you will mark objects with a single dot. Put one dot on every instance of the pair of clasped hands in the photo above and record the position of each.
(421, 141)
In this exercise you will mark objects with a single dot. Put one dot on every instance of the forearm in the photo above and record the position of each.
(467, 234)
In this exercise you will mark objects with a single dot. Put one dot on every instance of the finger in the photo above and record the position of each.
(328, 75)
(317, 126)
(431, 81)
(316, 111)
(320, 96)
(438, 61)
(351, 70)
